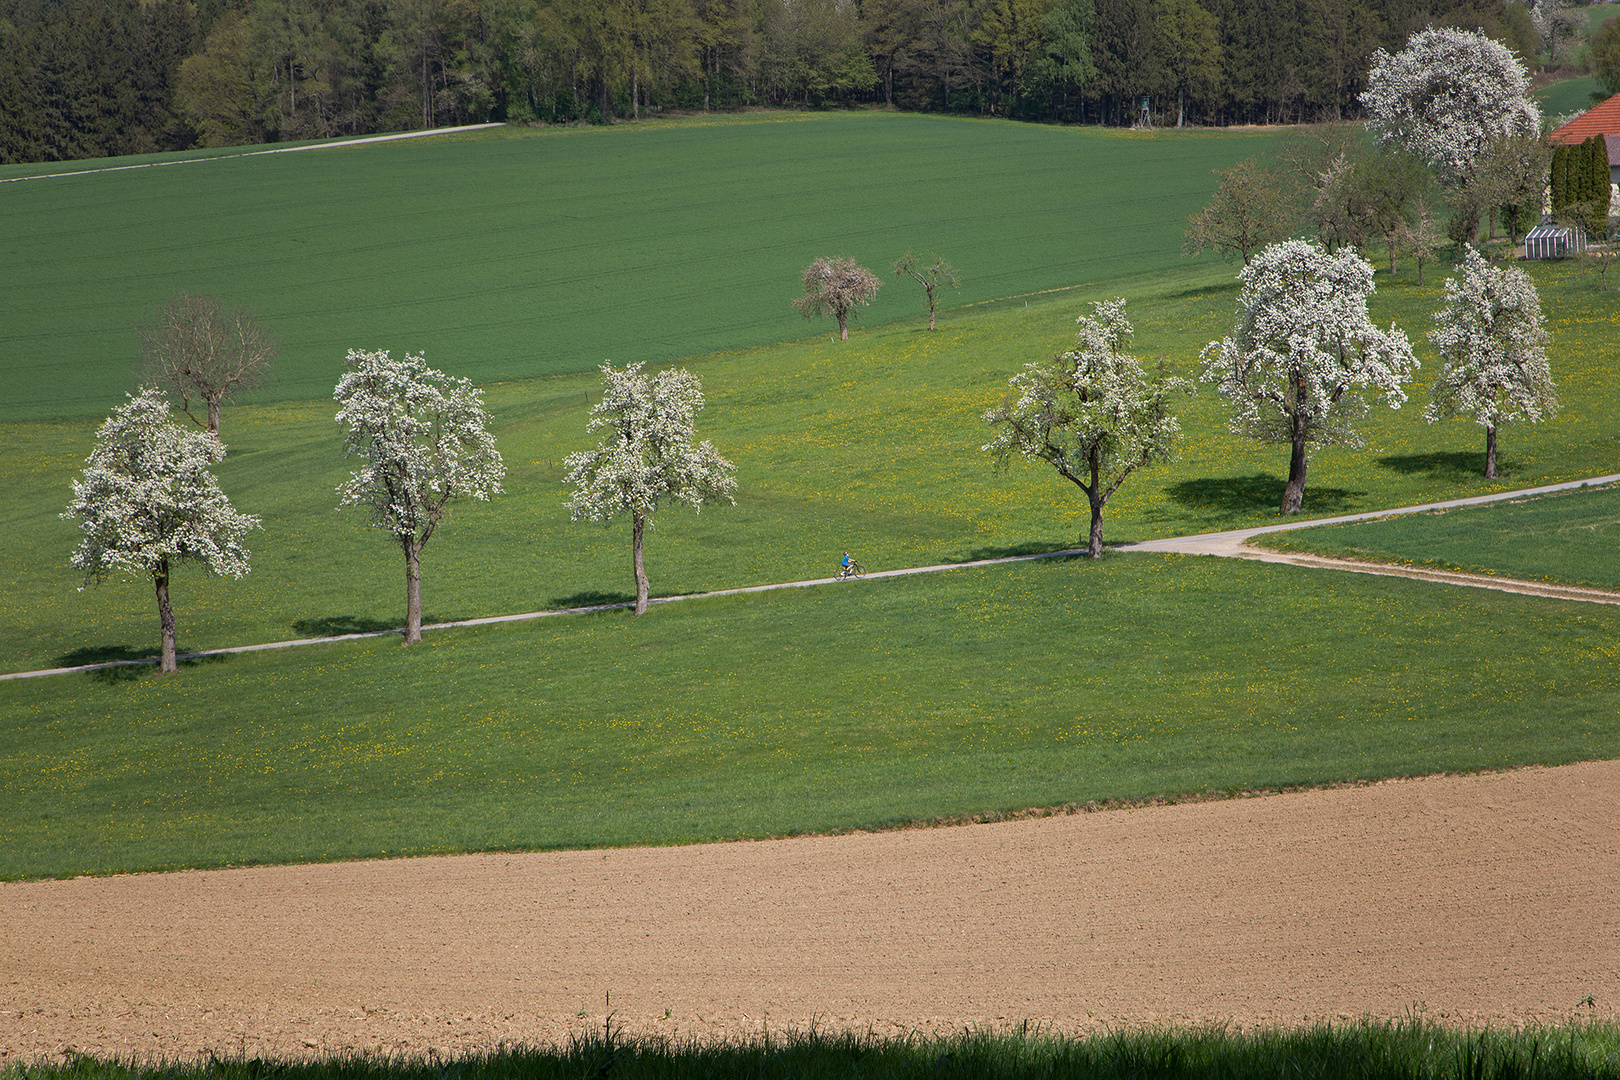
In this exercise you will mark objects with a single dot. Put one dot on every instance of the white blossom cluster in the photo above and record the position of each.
(146, 497)
(1302, 344)
(424, 438)
(1493, 337)
(1447, 96)
(648, 452)
(1092, 405)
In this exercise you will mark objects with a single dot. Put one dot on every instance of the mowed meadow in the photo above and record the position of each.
(974, 692)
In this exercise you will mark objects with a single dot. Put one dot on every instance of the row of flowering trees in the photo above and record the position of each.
(146, 500)
(1295, 370)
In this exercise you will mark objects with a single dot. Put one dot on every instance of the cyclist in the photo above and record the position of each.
(845, 565)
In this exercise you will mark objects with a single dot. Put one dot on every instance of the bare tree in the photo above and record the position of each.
(1417, 234)
(1252, 207)
(201, 351)
(938, 272)
(833, 285)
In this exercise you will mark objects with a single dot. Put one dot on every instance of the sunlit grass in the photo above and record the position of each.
(970, 692)
(1363, 1050)
(1568, 537)
(870, 445)
(515, 252)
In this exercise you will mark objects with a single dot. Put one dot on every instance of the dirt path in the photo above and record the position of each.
(1467, 899)
(1232, 544)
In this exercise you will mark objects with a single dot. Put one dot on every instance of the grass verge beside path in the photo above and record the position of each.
(1570, 538)
(870, 704)
(1365, 1050)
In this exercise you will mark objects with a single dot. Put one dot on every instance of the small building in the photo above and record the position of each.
(1601, 119)
(1553, 242)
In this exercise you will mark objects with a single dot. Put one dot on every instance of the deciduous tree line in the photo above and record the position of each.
(90, 78)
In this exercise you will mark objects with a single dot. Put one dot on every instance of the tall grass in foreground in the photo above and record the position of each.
(1368, 1049)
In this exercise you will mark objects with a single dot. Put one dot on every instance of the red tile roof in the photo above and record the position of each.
(1603, 119)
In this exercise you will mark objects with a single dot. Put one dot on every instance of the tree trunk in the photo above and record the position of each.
(1490, 451)
(413, 591)
(843, 326)
(930, 313)
(160, 579)
(213, 415)
(637, 524)
(1294, 493)
(1094, 494)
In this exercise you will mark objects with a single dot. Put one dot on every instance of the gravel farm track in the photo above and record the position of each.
(1467, 900)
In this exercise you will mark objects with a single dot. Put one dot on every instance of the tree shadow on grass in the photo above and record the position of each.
(1032, 547)
(133, 663)
(1223, 288)
(335, 625)
(1241, 496)
(129, 664)
(591, 598)
(1449, 465)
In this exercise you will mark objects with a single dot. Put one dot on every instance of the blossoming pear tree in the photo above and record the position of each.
(1091, 413)
(425, 441)
(1493, 339)
(1447, 96)
(1301, 349)
(647, 455)
(147, 501)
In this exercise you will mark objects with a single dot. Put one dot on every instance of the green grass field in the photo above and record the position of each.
(1571, 538)
(969, 693)
(514, 253)
(957, 694)
(1567, 96)
(1407, 1050)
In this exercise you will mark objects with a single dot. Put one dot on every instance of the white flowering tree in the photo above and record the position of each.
(648, 454)
(1493, 339)
(425, 441)
(1091, 413)
(835, 286)
(1446, 98)
(147, 501)
(1301, 350)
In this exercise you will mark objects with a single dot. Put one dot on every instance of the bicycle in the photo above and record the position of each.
(853, 570)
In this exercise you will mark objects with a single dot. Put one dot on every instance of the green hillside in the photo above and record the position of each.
(523, 253)
(971, 692)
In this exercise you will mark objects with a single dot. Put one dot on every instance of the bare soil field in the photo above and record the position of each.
(1467, 900)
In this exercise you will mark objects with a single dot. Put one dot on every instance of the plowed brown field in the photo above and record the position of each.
(1466, 899)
